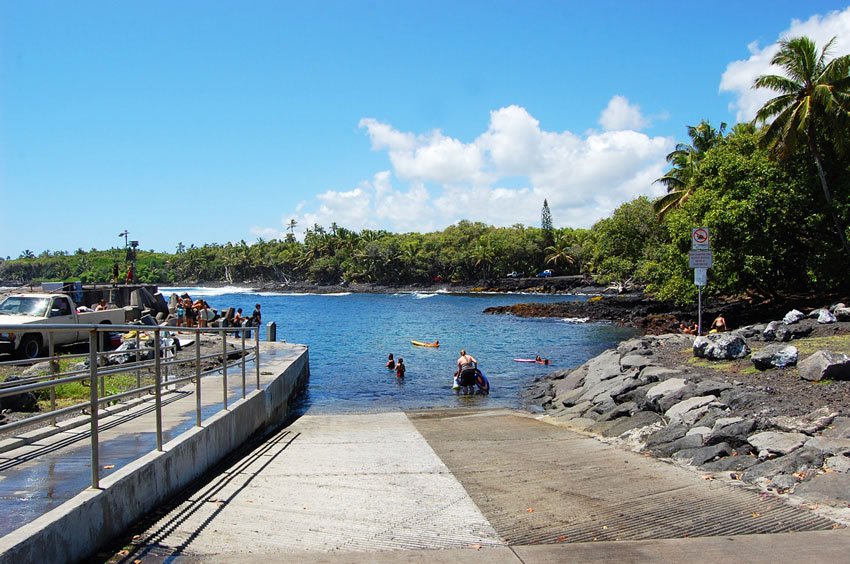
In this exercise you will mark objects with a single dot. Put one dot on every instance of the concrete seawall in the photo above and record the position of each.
(80, 526)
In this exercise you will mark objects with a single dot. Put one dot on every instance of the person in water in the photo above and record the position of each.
(400, 368)
(390, 362)
(466, 365)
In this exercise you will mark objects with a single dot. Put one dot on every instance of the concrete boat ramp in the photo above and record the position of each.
(467, 486)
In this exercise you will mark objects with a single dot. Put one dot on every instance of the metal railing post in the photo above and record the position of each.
(158, 388)
(138, 359)
(244, 382)
(224, 366)
(102, 378)
(257, 354)
(54, 366)
(95, 457)
(198, 379)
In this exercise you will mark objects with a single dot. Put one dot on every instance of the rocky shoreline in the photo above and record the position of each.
(781, 425)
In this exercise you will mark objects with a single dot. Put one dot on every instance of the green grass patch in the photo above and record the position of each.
(810, 345)
(719, 365)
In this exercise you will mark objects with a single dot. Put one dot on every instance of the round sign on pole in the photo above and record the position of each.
(700, 238)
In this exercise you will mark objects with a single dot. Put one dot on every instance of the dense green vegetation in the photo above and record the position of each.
(776, 198)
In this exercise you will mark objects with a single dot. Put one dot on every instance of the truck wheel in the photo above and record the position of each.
(30, 347)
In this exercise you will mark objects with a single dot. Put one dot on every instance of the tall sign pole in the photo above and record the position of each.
(700, 260)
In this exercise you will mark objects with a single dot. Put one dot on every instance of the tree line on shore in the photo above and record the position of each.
(775, 194)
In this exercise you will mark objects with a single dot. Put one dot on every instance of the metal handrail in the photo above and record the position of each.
(94, 371)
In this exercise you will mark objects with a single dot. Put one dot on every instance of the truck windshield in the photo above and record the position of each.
(24, 305)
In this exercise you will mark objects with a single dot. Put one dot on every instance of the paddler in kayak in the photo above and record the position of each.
(466, 365)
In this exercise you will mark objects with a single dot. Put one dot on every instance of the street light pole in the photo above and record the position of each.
(125, 234)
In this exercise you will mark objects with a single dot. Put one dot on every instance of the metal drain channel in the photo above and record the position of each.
(540, 484)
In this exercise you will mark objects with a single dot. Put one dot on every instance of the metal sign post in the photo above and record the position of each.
(700, 259)
(700, 279)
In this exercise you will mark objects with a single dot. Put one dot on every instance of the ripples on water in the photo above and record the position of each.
(349, 336)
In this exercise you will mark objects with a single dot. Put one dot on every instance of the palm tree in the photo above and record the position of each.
(559, 251)
(814, 93)
(685, 160)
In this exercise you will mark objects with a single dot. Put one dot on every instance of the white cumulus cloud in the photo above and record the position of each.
(739, 75)
(621, 114)
(500, 178)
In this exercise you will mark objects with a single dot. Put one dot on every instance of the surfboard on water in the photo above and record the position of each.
(532, 360)
(424, 344)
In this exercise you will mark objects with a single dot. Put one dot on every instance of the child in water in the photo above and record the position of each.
(390, 363)
(400, 368)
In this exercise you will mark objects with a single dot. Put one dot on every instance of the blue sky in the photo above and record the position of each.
(203, 122)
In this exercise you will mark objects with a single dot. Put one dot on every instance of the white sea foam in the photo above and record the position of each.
(575, 319)
(418, 296)
(206, 291)
(329, 294)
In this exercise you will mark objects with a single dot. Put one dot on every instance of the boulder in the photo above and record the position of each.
(721, 346)
(731, 430)
(622, 425)
(602, 367)
(838, 428)
(777, 442)
(666, 435)
(837, 464)
(842, 313)
(657, 373)
(750, 331)
(635, 361)
(570, 398)
(665, 388)
(713, 387)
(690, 409)
(831, 489)
(737, 463)
(666, 402)
(699, 430)
(775, 356)
(741, 397)
(810, 423)
(793, 317)
(829, 445)
(825, 365)
(782, 483)
(699, 456)
(826, 317)
(799, 460)
(638, 395)
(638, 346)
(618, 411)
(23, 402)
(799, 330)
(570, 382)
(686, 442)
(769, 333)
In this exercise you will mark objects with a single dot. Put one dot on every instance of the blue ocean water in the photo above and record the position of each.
(349, 336)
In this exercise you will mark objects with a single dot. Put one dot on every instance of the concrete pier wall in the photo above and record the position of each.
(77, 528)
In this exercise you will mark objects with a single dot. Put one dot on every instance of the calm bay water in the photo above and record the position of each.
(350, 335)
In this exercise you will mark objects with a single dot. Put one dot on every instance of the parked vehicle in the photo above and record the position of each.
(32, 310)
(514, 274)
(545, 274)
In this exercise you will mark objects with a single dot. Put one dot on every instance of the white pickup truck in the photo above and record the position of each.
(31, 310)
